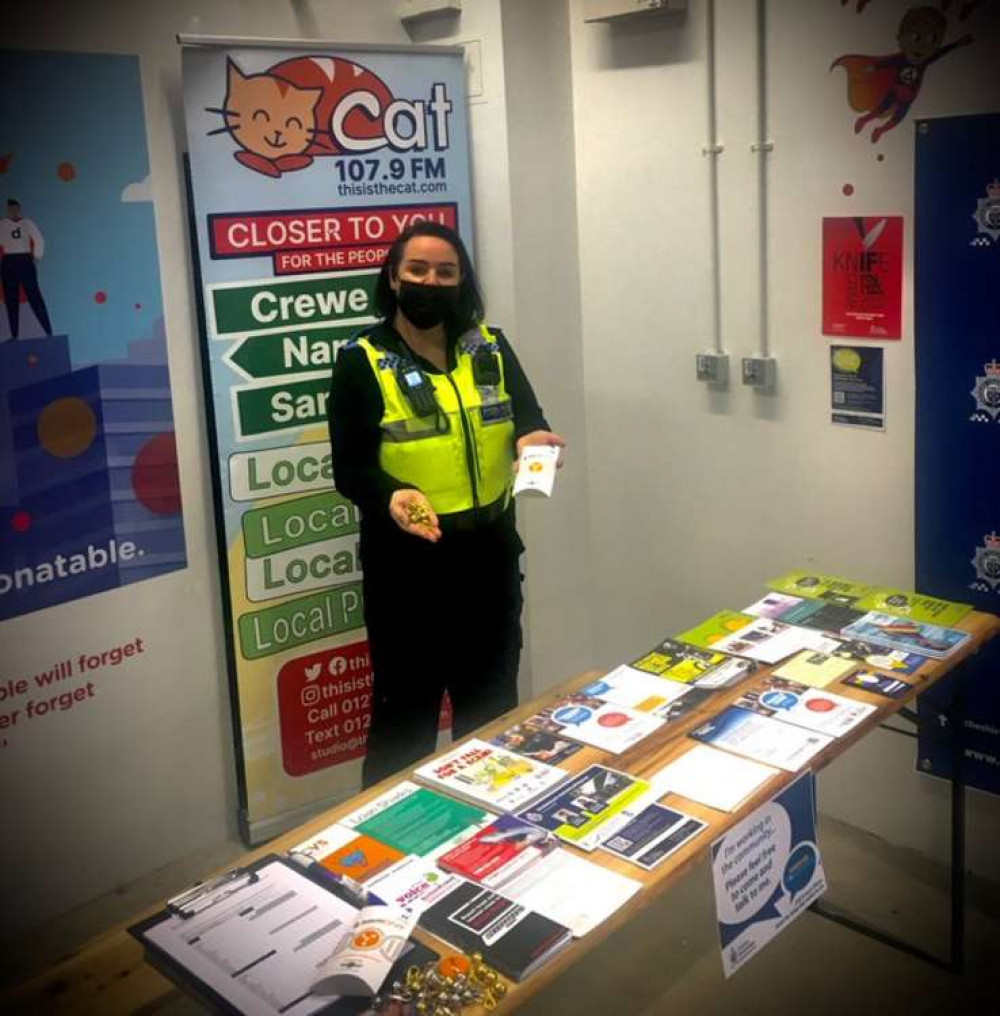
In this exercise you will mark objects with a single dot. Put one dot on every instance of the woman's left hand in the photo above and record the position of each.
(541, 437)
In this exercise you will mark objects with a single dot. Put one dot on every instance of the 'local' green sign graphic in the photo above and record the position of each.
(287, 406)
(266, 356)
(298, 522)
(291, 624)
(273, 306)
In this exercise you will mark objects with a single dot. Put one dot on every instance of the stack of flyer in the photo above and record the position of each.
(681, 661)
(907, 635)
(812, 708)
(512, 938)
(526, 863)
(759, 638)
(884, 599)
(486, 774)
(761, 738)
(598, 722)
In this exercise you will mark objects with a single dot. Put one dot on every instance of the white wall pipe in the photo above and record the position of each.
(762, 146)
(713, 150)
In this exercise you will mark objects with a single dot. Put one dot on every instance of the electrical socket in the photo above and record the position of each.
(713, 368)
(759, 371)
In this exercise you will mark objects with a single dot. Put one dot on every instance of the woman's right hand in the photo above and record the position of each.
(412, 512)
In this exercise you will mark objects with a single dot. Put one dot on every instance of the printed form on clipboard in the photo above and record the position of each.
(268, 940)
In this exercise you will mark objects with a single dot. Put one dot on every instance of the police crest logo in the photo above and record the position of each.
(987, 216)
(987, 565)
(986, 392)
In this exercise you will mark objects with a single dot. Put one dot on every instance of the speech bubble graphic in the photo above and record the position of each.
(779, 699)
(799, 869)
(572, 715)
(752, 859)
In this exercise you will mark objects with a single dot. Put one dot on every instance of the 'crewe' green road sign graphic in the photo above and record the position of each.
(293, 352)
(306, 301)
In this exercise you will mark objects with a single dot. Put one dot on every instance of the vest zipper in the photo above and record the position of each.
(471, 459)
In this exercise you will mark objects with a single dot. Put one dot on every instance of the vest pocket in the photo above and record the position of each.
(499, 411)
(416, 428)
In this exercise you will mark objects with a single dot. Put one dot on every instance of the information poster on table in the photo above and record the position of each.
(305, 165)
(767, 870)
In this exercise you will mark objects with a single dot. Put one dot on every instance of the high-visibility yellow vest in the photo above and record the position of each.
(460, 457)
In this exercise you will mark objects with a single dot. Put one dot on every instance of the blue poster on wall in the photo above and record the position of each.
(957, 274)
(89, 491)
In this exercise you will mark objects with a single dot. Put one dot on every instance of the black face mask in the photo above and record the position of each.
(427, 306)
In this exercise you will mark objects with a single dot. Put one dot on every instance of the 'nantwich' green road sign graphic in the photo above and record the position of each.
(287, 406)
(270, 305)
(266, 356)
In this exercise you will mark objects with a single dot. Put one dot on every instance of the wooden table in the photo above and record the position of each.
(109, 975)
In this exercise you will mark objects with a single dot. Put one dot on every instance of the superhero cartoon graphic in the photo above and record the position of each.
(885, 87)
(279, 117)
(964, 11)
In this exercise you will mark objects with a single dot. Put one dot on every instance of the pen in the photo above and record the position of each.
(206, 894)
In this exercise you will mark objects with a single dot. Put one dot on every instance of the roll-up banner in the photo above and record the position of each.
(957, 296)
(305, 164)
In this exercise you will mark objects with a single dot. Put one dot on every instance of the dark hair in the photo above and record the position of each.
(13, 201)
(470, 298)
(923, 17)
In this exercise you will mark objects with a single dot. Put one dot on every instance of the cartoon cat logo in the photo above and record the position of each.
(279, 117)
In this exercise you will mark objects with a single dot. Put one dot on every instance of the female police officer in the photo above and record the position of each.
(428, 410)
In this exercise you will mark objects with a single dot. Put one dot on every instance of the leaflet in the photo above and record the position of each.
(593, 721)
(820, 615)
(415, 820)
(652, 835)
(712, 778)
(710, 633)
(770, 641)
(820, 587)
(902, 633)
(526, 863)
(761, 738)
(485, 774)
(796, 703)
(511, 937)
(915, 606)
(815, 669)
(412, 885)
(572, 891)
(881, 657)
(365, 955)
(589, 807)
(538, 741)
(773, 605)
(345, 852)
(681, 661)
(626, 686)
(879, 684)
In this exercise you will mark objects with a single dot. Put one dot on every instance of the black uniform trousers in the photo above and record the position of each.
(440, 617)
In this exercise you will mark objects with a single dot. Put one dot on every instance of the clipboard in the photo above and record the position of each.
(221, 897)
